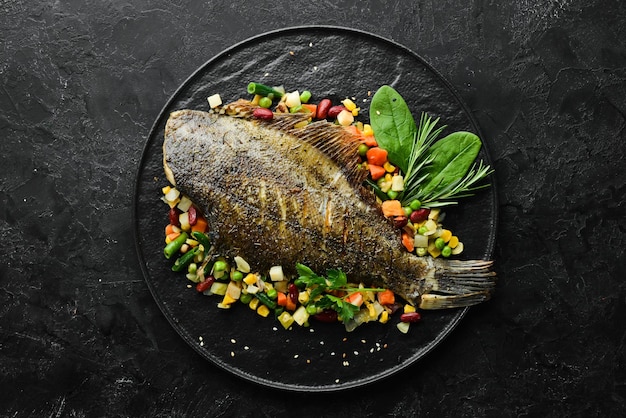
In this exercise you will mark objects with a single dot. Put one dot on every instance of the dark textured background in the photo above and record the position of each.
(80, 86)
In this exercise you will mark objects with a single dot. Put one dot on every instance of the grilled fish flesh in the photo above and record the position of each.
(276, 194)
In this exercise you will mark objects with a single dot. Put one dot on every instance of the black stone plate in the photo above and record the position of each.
(330, 62)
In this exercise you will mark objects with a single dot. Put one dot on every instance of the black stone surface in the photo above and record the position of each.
(82, 83)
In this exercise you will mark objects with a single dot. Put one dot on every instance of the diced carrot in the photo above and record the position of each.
(282, 299)
(171, 237)
(311, 107)
(408, 242)
(386, 297)
(353, 129)
(376, 156)
(200, 226)
(355, 298)
(369, 140)
(376, 171)
(392, 208)
(290, 305)
(169, 229)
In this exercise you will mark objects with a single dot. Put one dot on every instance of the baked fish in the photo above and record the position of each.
(277, 194)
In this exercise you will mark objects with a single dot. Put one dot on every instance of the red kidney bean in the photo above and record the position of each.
(322, 108)
(420, 215)
(410, 317)
(173, 215)
(400, 221)
(263, 113)
(206, 284)
(192, 212)
(293, 293)
(327, 315)
(335, 110)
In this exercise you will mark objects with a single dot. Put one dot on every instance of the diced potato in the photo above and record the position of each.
(300, 315)
(276, 274)
(184, 204)
(172, 195)
(242, 265)
(214, 100)
(397, 183)
(218, 288)
(345, 118)
(403, 327)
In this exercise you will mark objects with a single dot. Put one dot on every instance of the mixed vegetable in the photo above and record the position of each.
(412, 174)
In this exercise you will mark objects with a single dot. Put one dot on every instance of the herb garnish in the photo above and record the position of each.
(437, 173)
(335, 280)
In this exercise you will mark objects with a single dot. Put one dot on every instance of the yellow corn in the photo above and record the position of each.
(389, 168)
(192, 242)
(254, 303)
(256, 98)
(371, 310)
(349, 104)
(446, 234)
(355, 112)
(166, 189)
(263, 310)
(454, 241)
(388, 177)
(228, 300)
(367, 130)
(250, 279)
(301, 124)
(409, 308)
(384, 317)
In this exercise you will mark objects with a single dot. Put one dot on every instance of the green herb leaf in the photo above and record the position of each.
(393, 125)
(337, 279)
(346, 310)
(452, 157)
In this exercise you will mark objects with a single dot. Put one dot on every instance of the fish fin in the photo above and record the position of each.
(336, 142)
(459, 283)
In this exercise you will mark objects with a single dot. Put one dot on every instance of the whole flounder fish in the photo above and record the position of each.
(276, 194)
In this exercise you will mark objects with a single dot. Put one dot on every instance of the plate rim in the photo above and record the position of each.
(445, 332)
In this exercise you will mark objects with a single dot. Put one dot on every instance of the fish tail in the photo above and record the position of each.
(459, 283)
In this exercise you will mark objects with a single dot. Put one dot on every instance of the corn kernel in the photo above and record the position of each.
(371, 310)
(454, 241)
(388, 177)
(409, 308)
(254, 303)
(263, 310)
(250, 279)
(446, 234)
(355, 112)
(228, 299)
(384, 317)
(389, 168)
(349, 104)
(166, 189)
(367, 130)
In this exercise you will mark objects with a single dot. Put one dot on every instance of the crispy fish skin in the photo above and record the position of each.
(277, 195)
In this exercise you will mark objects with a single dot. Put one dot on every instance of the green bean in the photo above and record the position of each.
(202, 239)
(263, 90)
(184, 260)
(265, 300)
(174, 246)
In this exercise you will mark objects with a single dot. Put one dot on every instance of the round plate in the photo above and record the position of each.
(335, 63)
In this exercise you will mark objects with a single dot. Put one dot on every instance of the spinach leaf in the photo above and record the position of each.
(393, 125)
(452, 157)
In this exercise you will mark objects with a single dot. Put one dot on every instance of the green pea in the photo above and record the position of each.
(446, 251)
(440, 243)
(305, 96)
(392, 194)
(363, 150)
(272, 293)
(296, 109)
(220, 265)
(245, 298)
(422, 230)
(311, 309)
(421, 251)
(265, 102)
(415, 204)
(236, 276)
(407, 210)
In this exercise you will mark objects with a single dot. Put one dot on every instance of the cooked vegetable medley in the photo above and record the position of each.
(401, 174)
